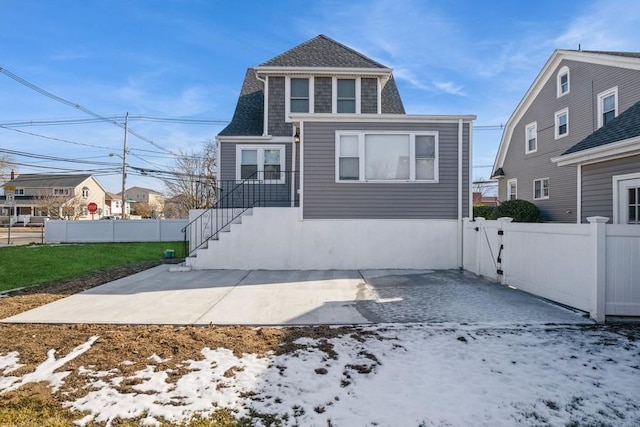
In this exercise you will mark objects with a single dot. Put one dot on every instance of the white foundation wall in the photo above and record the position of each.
(276, 239)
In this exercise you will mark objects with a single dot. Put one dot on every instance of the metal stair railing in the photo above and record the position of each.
(234, 199)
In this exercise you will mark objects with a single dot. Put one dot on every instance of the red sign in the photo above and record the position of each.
(92, 208)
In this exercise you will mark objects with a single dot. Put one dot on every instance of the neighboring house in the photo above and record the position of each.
(561, 121)
(114, 206)
(320, 137)
(153, 201)
(55, 196)
(481, 200)
(608, 169)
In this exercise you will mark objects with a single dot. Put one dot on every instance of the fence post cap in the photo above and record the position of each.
(505, 219)
(597, 219)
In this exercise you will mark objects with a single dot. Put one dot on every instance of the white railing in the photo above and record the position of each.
(593, 267)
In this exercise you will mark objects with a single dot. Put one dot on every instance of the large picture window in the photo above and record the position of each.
(386, 156)
(260, 163)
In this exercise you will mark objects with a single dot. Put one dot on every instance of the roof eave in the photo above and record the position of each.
(323, 70)
(624, 148)
(416, 118)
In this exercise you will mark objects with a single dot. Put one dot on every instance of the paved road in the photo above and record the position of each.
(20, 236)
(239, 297)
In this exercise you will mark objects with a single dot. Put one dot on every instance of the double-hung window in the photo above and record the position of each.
(299, 101)
(512, 189)
(346, 95)
(85, 192)
(541, 189)
(386, 156)
(562, 123)
(563, 81)
(607, 106)
(261, 163)
(531, 136)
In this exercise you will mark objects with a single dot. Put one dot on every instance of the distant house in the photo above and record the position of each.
(55, 196)
(150, 200)
(333, 171)
(113, 204)
(570, 146)
(481, 200)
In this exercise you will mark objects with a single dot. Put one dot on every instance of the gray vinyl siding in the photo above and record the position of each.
(228, 171)
(597, 185)
(322, 95)
(323, 198)
(368, 96)
(586, 81)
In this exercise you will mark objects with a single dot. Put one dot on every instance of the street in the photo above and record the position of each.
(21, 236)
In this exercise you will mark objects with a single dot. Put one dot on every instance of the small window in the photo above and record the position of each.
(85, 192)
(563, 81)
(260, 163)
(607, 106)
(346, 96)
(512, 189)
(531, 137)
(541, 189)
(387, 156)
(562, 123)
(299, 102)
(19, 191)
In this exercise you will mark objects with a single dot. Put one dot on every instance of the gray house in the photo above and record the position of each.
(324, 169)
(552, 151)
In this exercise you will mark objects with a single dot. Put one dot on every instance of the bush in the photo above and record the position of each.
(483, 211)
(519, 210)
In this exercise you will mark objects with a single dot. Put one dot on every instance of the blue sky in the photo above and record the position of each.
(187, 59)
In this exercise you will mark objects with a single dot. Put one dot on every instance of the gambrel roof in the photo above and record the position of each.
(320, 54)
(630, 60)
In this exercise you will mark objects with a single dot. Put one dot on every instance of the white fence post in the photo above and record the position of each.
(598, 239)
(479, 233)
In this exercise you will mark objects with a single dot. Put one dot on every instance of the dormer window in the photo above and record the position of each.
(346, 96)
(563, 81)
(299, 95)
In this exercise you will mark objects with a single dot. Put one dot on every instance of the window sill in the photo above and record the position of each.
(357, 181)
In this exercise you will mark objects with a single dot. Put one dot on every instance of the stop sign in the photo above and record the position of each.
(92, 207)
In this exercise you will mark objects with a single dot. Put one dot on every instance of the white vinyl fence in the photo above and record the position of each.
(593, 267)
(143, 230)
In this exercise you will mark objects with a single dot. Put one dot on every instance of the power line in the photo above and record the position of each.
(78, 107)
(55, 139)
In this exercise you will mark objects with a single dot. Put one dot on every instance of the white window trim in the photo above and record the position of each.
(561, 72)
(555, 123)
(261, 148)
(361, 157)
(601, 96)
(526, 137)
(541, 187)
(287, 95)
(617, 179)
(334, 94)
(509, 182)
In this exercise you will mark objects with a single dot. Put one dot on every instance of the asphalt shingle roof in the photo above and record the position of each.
(604, 52)
(625, 126)
(319, 52)
(322, 51)
(48, 181)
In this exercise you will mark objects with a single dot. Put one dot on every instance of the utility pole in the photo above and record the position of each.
(124, 164)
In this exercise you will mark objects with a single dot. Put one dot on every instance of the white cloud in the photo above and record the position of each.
(606, 25)
(450, 87)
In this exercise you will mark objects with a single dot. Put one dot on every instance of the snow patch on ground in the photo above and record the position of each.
(386, 375)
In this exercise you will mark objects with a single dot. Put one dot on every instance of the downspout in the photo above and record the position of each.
(460, 197)
(265, 118)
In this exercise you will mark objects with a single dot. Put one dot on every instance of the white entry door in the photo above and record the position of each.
(628, 201)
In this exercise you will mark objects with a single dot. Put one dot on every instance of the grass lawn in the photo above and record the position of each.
(32, 265)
